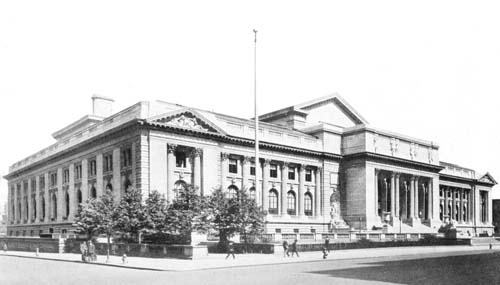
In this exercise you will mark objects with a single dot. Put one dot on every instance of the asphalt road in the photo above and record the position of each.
(452, 268)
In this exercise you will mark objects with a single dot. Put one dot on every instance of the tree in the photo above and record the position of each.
(87, 219)
(132, 216)
(235, 215)
(155, 213)
(187, 213)
(108, 217)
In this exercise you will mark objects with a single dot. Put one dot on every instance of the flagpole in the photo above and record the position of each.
(256, 116)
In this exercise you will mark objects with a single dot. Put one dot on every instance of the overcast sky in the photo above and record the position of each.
(428, 69)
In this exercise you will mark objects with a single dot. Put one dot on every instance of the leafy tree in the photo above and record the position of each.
(108, 217)
(235, 215)
(187, 213)
(132, 216)
(87, 219)
(155, 212)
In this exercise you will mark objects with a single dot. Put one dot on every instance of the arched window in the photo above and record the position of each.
(291, 201)
(54, 206)
(26, 211)
(79, 196)
(43, 208)
(232, 192)
(93, 193)
(66, 201)
(251, 193)
(20, 211)
(457, 214)
(464, 214)
(179, 186)
(441, 216)
(273, 202)
(308, 204)
(109, 187)
(33, 201)
(127, 184)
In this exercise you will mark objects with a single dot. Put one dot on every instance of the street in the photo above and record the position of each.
(444, 268)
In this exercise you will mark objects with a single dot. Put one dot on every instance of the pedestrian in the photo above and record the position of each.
(285, 249)
(124, 258)
(230, 250)
(325, 253)
(293, 248)
(93, 256)
(5, 247)
(83, 250)
(327, 244)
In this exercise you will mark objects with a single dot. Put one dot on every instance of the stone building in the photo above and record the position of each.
(324, 168)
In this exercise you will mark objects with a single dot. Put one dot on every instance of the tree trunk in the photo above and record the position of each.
(107, 249)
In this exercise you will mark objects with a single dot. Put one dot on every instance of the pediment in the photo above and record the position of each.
(487, 178)
(187, 119)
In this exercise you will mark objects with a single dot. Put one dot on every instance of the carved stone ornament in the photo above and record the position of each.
(171, 148)
(197, 152)
(224, 156)
(394, 145)
(267, 162)
(246, 159)
(429, 155)
(413, 150)
(375, 139)
(187, 122)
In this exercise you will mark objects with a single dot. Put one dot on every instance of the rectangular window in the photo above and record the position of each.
(308, 175)
(291, 173)
(65, 175)
(180, 159)
(108, 163)
(278, 231)
(33, 185)
(252, 170)
(273, 171)
(127, 157)
(296, 231)
(42, 182)
(78, 171)
(92, 167)
(233, 166)
(53, 179)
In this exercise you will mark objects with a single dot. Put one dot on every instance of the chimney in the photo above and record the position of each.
(102, 106)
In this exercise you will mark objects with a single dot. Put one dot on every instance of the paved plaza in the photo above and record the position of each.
(408, 265)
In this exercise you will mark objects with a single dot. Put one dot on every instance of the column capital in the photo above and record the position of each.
(196, 152)
(266, 162)
(224, 156)
(303, 166)
(246, 160)
(319, 169)
(171, 148)
(377, 171)
(285, 165)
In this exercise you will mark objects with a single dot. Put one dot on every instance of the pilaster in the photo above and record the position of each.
(99, 174)
(170, 171)
(197, 152)
(265, 185)
(71, 192)
(284, 185)
(302, 179)
(116, 174)
(317, 192)
(85, 183)
(47, 198)
(60, 195)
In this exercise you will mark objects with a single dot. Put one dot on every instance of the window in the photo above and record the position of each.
(79, 196)
(108, 163)
(290, 198)
(109, 187)
(273, 171)
(33, 185)
(43, 209)
(308, 175)
(313, 231)
(252, 170)
(295, 231)
(33, 202)
(278, 231)
(42, 182)
(180, 159)
(93, 193)
(233, 166)
(291, 173)
(252, 193)
(273, 202)
(65, 176)
(127, 157)
(308, 204)
(232, 192)
(179, 186)
(78, 171)
(54, 207)
(66, 200)
(92, 167)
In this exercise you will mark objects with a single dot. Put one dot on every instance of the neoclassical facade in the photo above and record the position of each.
(324, 169)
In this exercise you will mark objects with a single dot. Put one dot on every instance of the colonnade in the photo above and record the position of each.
(455, 204)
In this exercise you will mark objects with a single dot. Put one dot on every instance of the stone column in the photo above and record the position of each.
(489, 213)
(415, 198)
(461, 207)
(71, 192)
(454, 203)
(197, 169)
(412, 197)
(258, 177)
(302, 179)
(317, 193)
(396, 198)
(265, 187)
(429, 199)
(170, 171)
(245, 172)
(224, 167)
(60, 195)
(85, 180)
(38, 199)
(117, 184)
(284, 188)
(15, 216)
(376, 191)
(47, 198)
(393, 195)
(30, 204)
(99, 174)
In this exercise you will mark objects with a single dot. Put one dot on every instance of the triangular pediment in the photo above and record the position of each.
(487, 178)
(186, 119)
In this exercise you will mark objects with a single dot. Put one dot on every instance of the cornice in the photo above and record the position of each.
(390, 159)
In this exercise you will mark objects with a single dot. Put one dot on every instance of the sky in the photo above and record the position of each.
(427, 69)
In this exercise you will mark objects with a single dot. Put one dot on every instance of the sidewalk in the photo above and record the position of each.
(218, 260)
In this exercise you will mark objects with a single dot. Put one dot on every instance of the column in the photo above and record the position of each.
(317, 192)
(257, 183)
(224, 167)
(60, 195)
(170, 171)
(71, 192)
(29, 214)
(47, 198)
(302, 178)
(445, 193)
(396, 199)
(461, 207)
(284, 188)
(117, 184)
(412, 197)
(416, 207)
(245, 172)
(38, 199)
(489, 212)
(265, 187)
(85, 182)
(99, 173)
(393, 195)
(454, 203)
(15, 204)
(429, 199)
(376, 191)
(197, 169)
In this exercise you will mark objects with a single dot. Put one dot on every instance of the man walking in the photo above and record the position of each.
(293, 248)
(285, 249)
(230, 250)
(327, 244)
(83, 250)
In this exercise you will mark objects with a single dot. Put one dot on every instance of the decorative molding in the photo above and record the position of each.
(224, 156)
(375, 140)
(171, 148)
(246, 160)
(413, 150)
(430, 155)
(394, 145)
(196, 152)
(266, 163)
